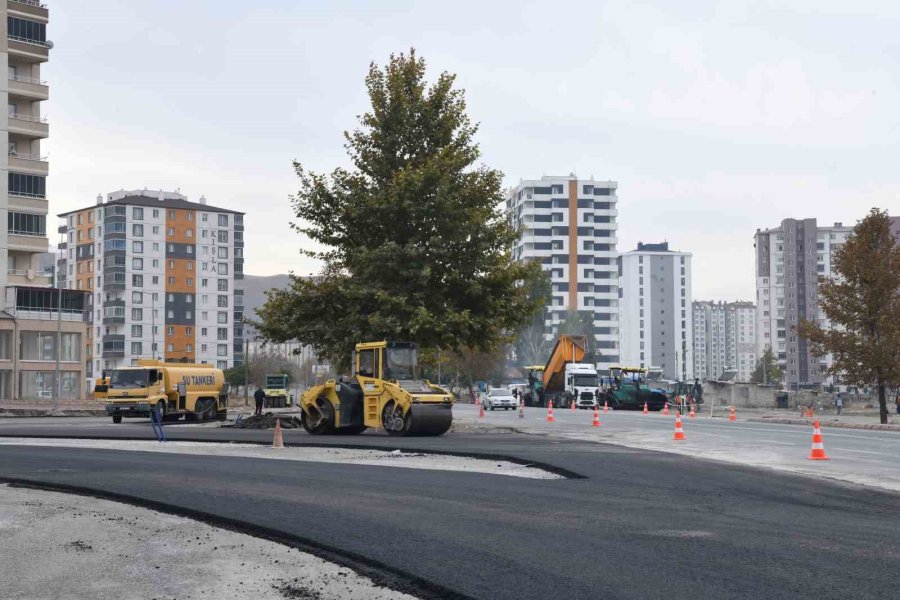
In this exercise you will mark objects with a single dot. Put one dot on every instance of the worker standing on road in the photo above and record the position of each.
(259, 396)
(838, 403)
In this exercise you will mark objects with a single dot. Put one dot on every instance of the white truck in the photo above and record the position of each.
(582, 384)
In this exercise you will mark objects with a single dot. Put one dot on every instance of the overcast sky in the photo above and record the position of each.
(716, 118)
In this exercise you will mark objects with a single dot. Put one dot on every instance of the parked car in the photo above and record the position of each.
(498, 398)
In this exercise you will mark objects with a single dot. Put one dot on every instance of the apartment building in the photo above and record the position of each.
(724, 340)
(570, 226)
(165, 278)
(37, 323)
(655, 310)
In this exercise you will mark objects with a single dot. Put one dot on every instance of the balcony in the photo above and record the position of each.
(29, 277)
(40, 303)
(28, 126)
(28, 87)
(28, 50)
(30, 164)
(28, 242)
(28, 8)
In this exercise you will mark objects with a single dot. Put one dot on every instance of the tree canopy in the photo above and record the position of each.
(862, 304)
(412, 242)
(766, 370)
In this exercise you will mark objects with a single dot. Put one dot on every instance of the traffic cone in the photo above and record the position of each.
(573, 405)
(666, 409)
(550, 418)
(521, 409)
(646, 410)
(480, 410)
(679, 432)
(818, 449)
(278, 441)
(809, 411)
(693, 413)
(605, 406)
(732, 416)
(596, 422)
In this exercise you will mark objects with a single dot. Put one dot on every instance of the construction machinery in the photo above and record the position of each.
(277, 393)
(172, 390)
(564, 378)
(627, 390)
(101, 388)
(383, 391)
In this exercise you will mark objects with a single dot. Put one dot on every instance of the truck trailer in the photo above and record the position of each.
(173, 390)
(564, 378)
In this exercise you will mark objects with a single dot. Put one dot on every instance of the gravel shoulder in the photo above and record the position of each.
(58, 545)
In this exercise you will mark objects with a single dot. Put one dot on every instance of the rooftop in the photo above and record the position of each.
(161, 200)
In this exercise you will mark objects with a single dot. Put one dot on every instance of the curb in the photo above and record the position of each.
(31, 412)
(837, 425)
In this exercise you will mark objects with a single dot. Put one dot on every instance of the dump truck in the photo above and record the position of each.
(277, 393)
(564, 378)
(384, 391)
(627, 390)
(173, 390)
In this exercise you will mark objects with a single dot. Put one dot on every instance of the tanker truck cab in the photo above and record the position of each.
(171, 389)
(581, 384)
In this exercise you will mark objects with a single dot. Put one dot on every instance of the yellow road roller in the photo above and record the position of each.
(383, 391)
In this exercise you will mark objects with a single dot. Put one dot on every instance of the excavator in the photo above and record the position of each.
(383, 392)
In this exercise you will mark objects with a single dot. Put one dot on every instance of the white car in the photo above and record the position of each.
(498, 398)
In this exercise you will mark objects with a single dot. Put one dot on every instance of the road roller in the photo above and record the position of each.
(384, 391)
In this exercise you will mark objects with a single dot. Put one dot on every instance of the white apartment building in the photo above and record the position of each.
(724, 340)
(164, 276)
(570, 226)
(655, 310)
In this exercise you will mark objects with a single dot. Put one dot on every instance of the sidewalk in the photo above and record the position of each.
(854, 419)
(48, 408)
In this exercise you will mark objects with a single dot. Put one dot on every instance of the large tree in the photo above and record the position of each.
(766, 370)
(862, 302)
(412, 242)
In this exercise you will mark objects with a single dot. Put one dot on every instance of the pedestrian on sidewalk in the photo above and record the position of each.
(259, 396)
(838, 404)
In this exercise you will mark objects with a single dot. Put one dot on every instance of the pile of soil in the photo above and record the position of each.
(267, 421)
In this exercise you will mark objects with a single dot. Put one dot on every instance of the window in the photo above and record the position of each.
(188, 347)
(155, 247)
(137, 230)
(204, 217)
(204, 315)
(171, 347)
(203, 282)
(171, 298)
(137, 281)
(171, 281)
(137, 264)
(39, 345)
(204, 233)
(221, 349)
(189, 315)
(222, 333)
(170, 330)
(223, 252)
(137, 213)
(171, 314)
(223, 220)
(223, 301)
(155, 279)
(27, 224)
(171, 248)
(223, 268)
(203, 331)
(170, 231)
(189, 298)
(137, 331)
(221, 317)
(137, 314)
(137, 348)
(189, 249)
(190, 215)
(190, 265)
(223, 285)
(137, 298)
(25, 29)
(223, 237)
(189, 233)
(156, 230)
(137, 247)
(172, 214)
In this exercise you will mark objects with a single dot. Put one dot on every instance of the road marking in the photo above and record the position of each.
(779, 443)
(860, 451)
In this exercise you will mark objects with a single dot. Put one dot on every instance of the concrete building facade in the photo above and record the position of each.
(724, 340)
(655, 318)
(570, 226)
(164, 275)
(37, 323)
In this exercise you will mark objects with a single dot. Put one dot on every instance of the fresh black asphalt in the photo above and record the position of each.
(638, 525)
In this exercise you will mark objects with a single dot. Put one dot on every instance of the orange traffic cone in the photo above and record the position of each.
(679, 432)
(818, 449)
(278, 441)
(646, 410)
(480, 410)
(693, 413)
(666, 409)
(732, 416)
(550, 418)
(605, 406)
(573, 405)
(596, 422)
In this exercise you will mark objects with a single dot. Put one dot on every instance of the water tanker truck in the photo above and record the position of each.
(173, 390)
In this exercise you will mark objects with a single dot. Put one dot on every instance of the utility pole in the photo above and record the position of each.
(152, 324)
(57, 383)
(247, 371)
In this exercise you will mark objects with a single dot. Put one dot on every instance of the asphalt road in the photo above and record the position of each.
(869, 457)
(639, 524)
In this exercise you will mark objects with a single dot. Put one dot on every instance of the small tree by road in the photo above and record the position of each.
(863, 305)
(766, 370)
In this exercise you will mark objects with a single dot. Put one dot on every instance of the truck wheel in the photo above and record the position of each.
(324, 423)
(117, 419)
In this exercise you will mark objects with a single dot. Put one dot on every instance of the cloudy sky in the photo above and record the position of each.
(716, 118)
